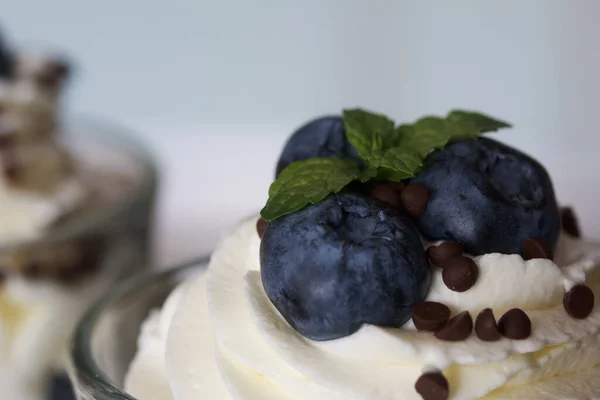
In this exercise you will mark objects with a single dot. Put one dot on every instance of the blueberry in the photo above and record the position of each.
(341, 263)
(320, 138)
(6, 61)
(489, 197)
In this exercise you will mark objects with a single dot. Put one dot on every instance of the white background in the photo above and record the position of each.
(215, 87)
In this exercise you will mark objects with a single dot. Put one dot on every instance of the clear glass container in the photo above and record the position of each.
(47, 283)
(106, 338)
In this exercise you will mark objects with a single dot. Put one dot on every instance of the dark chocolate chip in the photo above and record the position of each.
(460, 273)
(457, 328)
(533, 248)
(579, 301)
(387, 194)
(444, 252)
(430, 316)
(570, 223)
(486, 327)
(414, 198)
(261, 227)
(515, 324)
(432, 386)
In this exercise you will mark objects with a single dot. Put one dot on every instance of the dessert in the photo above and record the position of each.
(414, 261)
(60, 247)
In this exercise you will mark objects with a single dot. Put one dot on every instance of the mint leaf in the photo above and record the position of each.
(424, 136)
(432, 133)
(388, 154)
(399, 163)
(308, 182)
(478, 122)
(369, 133)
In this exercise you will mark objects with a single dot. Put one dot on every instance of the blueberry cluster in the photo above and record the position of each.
(354, 259)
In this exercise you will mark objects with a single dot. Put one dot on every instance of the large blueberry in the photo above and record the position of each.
(488, 197)
(6, 62)
(346, 261)
(320, 138)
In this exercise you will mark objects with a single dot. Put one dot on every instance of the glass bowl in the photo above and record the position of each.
(48, 282)
(105, 341)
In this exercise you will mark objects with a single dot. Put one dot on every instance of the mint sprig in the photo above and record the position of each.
(309, 182)
(389, 154)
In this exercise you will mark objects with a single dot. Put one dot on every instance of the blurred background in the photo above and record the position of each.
(216, 87)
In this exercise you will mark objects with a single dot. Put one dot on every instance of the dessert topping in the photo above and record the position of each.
(460, 273)
(515, 324)
(387, 194)
(486, 327)
(444, 252)
(376, 150)
(430, 316)
(261, 226)
(569, 221)
(432, 386)
(457, 328)
(533, 248)
(579, 301)
(414, 198)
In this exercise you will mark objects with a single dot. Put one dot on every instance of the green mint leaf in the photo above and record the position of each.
(369, 133)
(478, 122)
(308, 182)
(368, 174)
(424, 136)
(399, 163)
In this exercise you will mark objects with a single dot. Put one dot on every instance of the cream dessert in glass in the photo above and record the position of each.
(413, 261)
(75, 205)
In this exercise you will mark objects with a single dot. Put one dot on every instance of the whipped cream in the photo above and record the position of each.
(227, 339)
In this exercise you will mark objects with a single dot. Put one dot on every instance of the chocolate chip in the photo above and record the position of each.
(387, 194)
(579, 301)
(432, 386)
(533, 248)
(261, 227)
(460, 273)
(414, 198)
(569, 221)
(444, 252)
(457, 328)
(486, 327)
(430, 316)
(515, 324)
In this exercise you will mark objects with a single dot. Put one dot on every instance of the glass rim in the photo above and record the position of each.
(82, 365)
(87, 128)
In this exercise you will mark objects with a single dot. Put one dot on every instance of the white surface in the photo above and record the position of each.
(216, 87)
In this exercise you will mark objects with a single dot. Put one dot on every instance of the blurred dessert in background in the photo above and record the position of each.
(74, 215)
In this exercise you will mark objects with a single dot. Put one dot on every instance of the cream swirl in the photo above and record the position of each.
(255, 354)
